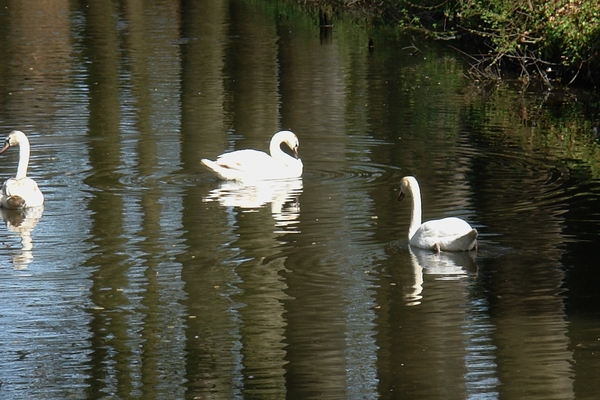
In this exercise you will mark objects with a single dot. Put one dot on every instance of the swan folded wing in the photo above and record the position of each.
(451, 226)
(248, 165)
(459, 243)
(248, 161)
(452, 234)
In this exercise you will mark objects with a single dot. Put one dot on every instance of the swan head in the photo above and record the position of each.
(408, 185)
(289, 138)
(14, 139)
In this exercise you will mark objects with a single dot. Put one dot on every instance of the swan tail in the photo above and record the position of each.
(223, 172)
(468, 241)
(210, 164)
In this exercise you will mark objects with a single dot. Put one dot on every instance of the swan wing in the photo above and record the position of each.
(251, 165)
(451, 226)
(468, 241)
(246, 160)
(452, 234)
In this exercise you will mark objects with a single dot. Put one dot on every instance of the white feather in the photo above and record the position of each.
(20, 191)
(254, 165)
(448, 234)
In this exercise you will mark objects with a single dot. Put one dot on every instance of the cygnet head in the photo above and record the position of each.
(408, 184)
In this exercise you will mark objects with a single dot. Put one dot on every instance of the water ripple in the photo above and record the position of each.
(364, 174)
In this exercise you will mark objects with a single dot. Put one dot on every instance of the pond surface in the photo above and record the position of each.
(144, 276)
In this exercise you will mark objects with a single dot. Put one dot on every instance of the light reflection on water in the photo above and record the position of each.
(281, 195)
(22, 224)
(146, 277)
(442, 266)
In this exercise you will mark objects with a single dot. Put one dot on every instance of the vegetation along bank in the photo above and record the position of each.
(556, 41)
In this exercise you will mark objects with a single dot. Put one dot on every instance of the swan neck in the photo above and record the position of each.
(23, 160)
(276, 152)
(415, 216)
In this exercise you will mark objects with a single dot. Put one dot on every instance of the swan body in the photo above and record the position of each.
(20, 192)
(448, 234)
(254, 165)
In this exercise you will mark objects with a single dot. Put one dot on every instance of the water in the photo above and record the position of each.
(145, 277)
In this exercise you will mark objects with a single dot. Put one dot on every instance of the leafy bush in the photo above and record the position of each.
(571, 33)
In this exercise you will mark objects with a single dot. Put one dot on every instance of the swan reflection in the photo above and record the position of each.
(22, 223)
(451, 265)
(281, 194)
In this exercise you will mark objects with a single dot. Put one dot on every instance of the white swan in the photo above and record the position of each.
(20, 191)
(254, 165)
(448, 234)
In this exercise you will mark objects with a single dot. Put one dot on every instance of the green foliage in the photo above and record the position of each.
(571, 31)
(539, 36)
